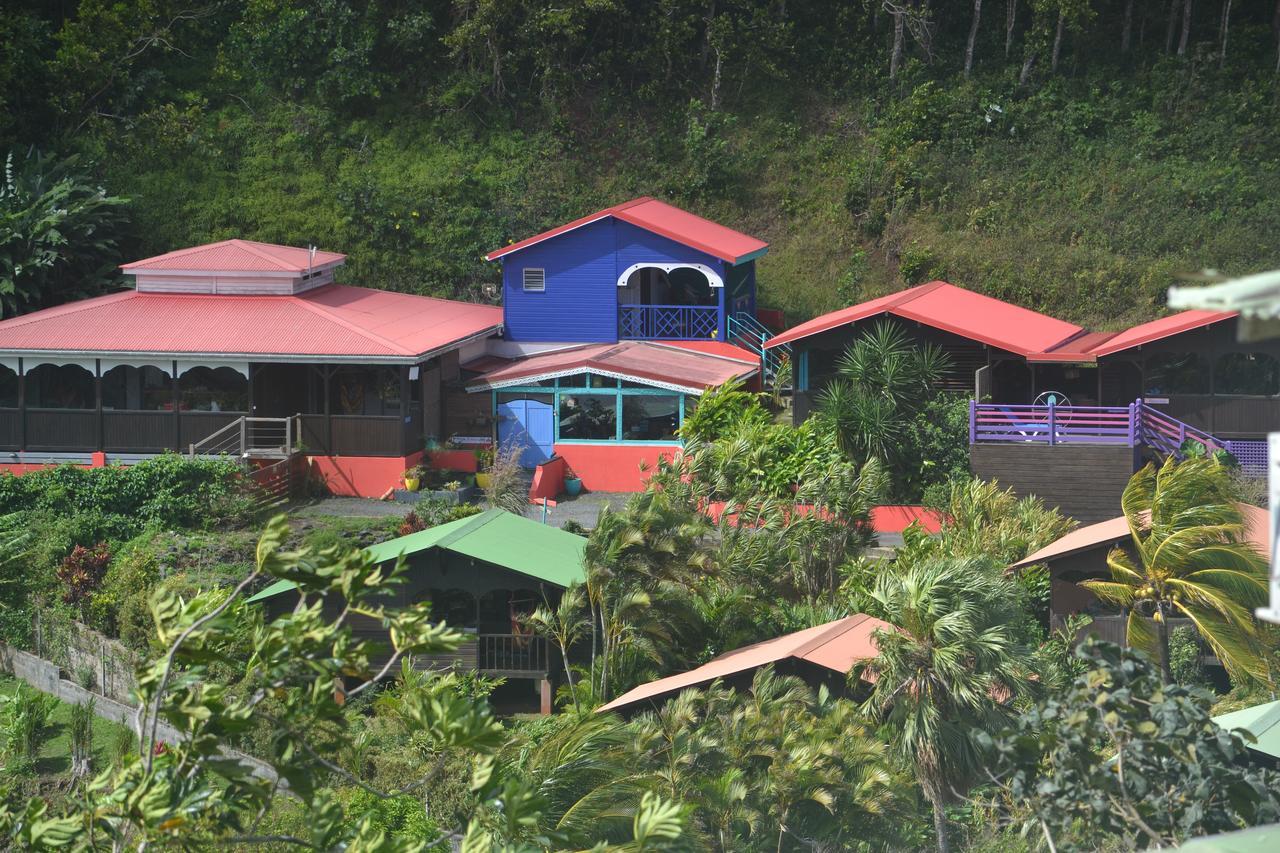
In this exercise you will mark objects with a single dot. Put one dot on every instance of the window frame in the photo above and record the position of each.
(524, 279)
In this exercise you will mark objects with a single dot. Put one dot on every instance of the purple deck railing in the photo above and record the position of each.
(1132, 425)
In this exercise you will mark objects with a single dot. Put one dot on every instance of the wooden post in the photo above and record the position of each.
(973, 421)
(22, 407)
(544, 694)
(1053, 423)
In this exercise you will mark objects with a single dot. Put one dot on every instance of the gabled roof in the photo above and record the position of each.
(237, 256)
(1165, 327)
(657, 364)
(951, 309)
(332, 321)
(838, 646)
(666, 220)
(1260, 721)
(1113, 530)
(515, 543)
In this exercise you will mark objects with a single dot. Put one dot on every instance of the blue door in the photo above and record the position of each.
(529, 425)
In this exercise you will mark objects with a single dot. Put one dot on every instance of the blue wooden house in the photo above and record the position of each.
(642, 270)
(613, 326)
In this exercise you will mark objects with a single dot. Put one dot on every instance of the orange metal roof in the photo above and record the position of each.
(1113, 530)
(838, 645)
(666, 220)
(237, 256)
(335, 320)
(951, 309)
(657, 364)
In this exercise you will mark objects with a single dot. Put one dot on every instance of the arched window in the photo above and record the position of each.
(1176, 373)
(137, 389)
(60, 386)
(8, 388)
(1252, 373)
(214, 389)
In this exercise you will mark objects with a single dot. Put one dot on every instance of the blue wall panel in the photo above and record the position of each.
(580, 303)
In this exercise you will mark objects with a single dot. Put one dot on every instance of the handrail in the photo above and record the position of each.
(668, 322)
(512, 653)
(246, 434)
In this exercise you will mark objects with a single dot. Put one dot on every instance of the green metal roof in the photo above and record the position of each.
(1261, 721)
(494, 536)
(1259, 839)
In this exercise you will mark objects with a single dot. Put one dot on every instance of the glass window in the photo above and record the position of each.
(8, 388)
(138, 389)
(1177, 373)
(591, 417)
(210, 389)
(650, 417)
(588, 380)
(1254, 373)
(365, 391)
(67, 386)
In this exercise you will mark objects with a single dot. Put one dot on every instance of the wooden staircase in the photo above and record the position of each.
(268, 448)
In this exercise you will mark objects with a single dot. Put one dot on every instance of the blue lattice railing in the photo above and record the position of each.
(668, 322)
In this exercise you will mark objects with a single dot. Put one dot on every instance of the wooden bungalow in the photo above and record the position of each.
(236, 347)
(1062, 412)
(482, 574)
(824, 654)
(1082, 555)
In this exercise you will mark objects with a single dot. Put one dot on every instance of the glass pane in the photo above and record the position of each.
(650, 417)
(8, 388)
(588, 416)
(365, 391)
(221, 389)
(67, 386)
(137, 389)
(508, 396)
(1177, 373)
(1247, 373)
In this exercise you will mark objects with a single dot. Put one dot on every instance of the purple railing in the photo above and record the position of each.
(668, 322)
(1132, 425)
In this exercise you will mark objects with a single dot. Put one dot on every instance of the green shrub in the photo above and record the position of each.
(721, 411)
(119, 608)
(82, 570)
(24, 715)
(118, 501)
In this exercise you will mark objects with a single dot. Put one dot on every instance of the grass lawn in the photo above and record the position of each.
(55, 751)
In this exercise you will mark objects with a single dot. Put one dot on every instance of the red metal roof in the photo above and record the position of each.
(1115, 530)
(664, 219)
(1165, 327)
(838, 645)
(237, 256)
(895, 518)
(335, 320)
(951, 309)
(652, 363)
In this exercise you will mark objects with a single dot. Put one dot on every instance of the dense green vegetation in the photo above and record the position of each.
(1085, 160)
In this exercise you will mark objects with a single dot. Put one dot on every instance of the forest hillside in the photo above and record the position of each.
(1074, 156)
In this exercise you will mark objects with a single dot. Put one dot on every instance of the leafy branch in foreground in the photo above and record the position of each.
(306, 667)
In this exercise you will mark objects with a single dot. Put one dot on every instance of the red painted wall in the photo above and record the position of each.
(548, 479)
(614, 467)
(362, 476)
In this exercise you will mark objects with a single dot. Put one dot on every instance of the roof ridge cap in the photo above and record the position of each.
(635, 202)
(179, 253)
(911, 294)
(303, 300)
(746, 356)
(473, 524)
(836, 628)
(253, 247)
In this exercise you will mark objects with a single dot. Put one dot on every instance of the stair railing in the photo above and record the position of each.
(246, 436)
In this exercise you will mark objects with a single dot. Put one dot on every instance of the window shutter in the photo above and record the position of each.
(535, 279)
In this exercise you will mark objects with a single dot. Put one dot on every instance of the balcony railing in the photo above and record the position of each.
(668, 322)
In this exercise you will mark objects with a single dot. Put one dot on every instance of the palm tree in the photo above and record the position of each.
(563, 626)
(950, 669)
(1189, 558)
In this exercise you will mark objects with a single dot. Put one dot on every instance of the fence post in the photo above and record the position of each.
(244, 432)
(102, 666)
(1133, 427)
(973, 422)
(1182, 436)
(1053, 423)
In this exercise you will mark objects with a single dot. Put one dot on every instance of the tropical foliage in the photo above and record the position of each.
(1122, 759)
(1190, 558)
(58, 233)
(951, 667)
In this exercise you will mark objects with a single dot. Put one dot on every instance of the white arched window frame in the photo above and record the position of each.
(713, 277)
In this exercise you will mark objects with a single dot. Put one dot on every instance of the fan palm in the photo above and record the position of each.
(949, 670)
(1189, 558)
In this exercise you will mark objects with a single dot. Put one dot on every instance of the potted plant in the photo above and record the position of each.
(484, 458)
(572, 483)
(412, 478)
